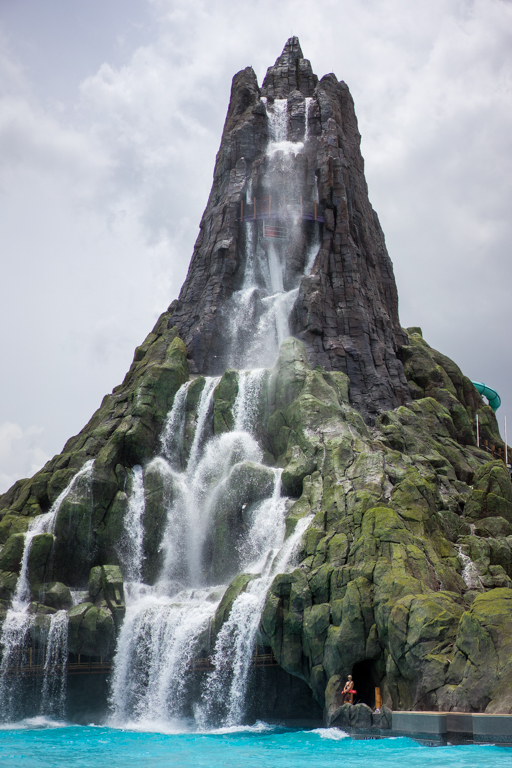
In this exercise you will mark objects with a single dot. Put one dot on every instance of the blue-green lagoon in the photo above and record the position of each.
(42, 742)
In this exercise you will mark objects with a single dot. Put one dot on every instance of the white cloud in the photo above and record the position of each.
(21, 454)
(101, 197)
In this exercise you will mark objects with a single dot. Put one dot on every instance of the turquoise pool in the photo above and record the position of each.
(40, 742)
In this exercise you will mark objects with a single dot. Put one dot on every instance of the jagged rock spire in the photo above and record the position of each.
(346, 309)
(291, 72)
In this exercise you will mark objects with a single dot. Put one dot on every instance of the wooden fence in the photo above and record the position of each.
(497, 452)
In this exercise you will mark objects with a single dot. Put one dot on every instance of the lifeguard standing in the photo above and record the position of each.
(349, 691)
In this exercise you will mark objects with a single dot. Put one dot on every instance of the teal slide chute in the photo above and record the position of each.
(491, 394)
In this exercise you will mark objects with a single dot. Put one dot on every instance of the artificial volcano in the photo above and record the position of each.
(345, 308)
(286, 488)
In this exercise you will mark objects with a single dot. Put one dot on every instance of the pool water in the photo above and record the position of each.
(41, 742)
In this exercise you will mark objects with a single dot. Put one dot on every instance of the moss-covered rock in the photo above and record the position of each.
(390, 512)
(8, 581)
(223, 401)
(91, 630)
(12, 552)
(106, 590)
(483, 665)
(56, 595)
(492, 493)
(12, 524)
(432, 374)
(236, 588)
(39, 561)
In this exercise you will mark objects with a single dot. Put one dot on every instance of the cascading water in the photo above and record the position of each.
(131, 548)
(224, 693)
(171, 441)
(56, 654)
(307, 104)
(214, 526)
(258, 315)
(18, 622)
(213, 532)
(469, 574)
(245, 408)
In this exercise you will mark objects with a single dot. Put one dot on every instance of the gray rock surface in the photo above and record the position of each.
(347, 309)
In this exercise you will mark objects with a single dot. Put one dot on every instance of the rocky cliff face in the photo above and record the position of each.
(404, 573)
(346, 311)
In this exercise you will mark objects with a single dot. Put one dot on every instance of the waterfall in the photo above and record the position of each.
(13, 640)
(224, 693)
(18, 621)
(56, 654)
(203, 411)
(307, 104)
(312, 253)
(278, 120)
(258, 314)
(156, 646)
(245, 408)
(171, 440)
(131, 548)
(42, 524)
(168, 624)
(469, 574)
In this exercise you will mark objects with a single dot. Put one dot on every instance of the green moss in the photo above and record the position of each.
(12, 524)
(236, 588)
(224, 398)
(12, 552)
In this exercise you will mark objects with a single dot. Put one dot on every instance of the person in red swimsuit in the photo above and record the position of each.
(349, 691)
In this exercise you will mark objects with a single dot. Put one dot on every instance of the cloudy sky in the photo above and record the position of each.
(111, 113)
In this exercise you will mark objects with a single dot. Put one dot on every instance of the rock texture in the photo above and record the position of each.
(89, 524)
(396, 577)
(404, 575)
(347, 309)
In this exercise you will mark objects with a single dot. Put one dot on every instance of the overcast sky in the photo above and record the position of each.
(111, 113)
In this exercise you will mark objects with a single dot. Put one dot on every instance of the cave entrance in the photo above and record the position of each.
(362, 675)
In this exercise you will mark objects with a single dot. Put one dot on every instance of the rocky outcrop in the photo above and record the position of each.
(359, 717)
(346, 311)
(89, 523)
(381, 583)
(404, 575)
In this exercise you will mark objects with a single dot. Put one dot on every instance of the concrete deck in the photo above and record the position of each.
(453, 727)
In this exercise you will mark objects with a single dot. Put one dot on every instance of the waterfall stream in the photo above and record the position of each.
(211, 535)
(259, 313)
(131, 548)
(221, 513)
(469, 574)
(18, 622)
(213, 530)
(56, 654)
(224, 693)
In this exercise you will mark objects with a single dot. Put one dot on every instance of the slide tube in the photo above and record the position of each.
(491, 394)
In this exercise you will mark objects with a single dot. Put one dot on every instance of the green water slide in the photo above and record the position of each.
(491, 394)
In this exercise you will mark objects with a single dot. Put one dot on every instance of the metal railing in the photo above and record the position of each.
(32, 663)
(258, 660)
(280, 208)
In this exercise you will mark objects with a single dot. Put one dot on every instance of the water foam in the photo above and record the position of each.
(18, 622)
